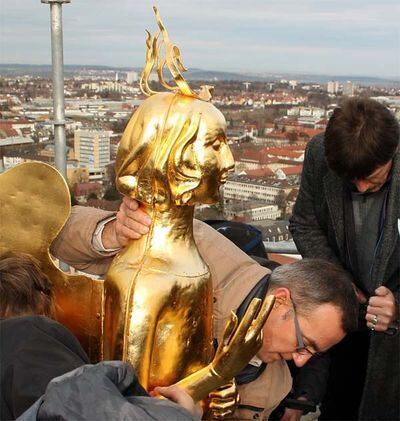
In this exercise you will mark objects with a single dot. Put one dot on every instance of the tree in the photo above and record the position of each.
(292, 136)
(73, 199)
(112, 194)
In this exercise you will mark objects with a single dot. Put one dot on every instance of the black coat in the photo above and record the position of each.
(33, 350)
(318, 230)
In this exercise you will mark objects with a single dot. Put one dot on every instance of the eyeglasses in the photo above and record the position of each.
(301, 349)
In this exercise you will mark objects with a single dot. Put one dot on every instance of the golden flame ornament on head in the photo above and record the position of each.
(173, 61)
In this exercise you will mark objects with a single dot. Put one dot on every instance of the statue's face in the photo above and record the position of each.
(211, 155)
(179, 144)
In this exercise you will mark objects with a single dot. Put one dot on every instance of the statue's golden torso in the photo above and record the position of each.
(159, 308)
(158, 291)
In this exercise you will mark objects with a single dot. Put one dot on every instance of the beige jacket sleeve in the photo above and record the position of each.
(74, 246)
(74, 243)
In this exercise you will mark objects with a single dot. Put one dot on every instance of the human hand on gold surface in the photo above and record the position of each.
(181, 397)
(131, 223)
(241, 341)
(224, 400)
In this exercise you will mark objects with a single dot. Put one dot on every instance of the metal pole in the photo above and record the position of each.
(60, 144)
(57, 60)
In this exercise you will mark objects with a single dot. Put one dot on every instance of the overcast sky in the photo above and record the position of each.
(339, 37)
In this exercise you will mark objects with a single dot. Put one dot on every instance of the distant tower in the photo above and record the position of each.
(348, 88)
(116, 76)
(247, 84)
(332, 87)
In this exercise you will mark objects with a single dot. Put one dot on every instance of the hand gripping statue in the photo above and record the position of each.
(154, 308)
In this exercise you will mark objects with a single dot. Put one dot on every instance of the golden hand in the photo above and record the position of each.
(240, 342)
(224, 400)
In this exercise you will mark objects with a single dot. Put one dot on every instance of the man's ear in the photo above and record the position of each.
(282, 295)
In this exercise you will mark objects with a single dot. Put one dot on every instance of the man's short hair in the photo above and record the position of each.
(313, 282)
(24, 288)
(361, 136)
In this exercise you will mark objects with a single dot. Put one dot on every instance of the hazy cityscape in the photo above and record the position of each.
(268, 127)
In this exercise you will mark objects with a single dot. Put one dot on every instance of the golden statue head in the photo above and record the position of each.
(174, 149)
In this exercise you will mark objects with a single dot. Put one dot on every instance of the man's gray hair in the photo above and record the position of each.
(313, 282)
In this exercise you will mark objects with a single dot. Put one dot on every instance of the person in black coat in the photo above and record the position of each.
(33, 348)
(347, 211)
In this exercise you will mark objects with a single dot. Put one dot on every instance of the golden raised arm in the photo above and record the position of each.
(240, 342)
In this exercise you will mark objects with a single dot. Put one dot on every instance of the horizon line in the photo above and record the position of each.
(237, 72)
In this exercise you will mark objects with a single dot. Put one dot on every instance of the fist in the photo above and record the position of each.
(382, 310)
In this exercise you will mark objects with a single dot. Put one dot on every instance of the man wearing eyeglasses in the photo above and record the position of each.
(311, 313)
(347, 212)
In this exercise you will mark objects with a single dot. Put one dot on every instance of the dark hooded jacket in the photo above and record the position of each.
(33, 350)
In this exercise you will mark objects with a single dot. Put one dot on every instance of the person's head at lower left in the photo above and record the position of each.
(25, 290)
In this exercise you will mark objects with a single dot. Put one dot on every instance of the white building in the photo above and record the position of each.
(348, 88)
(251, 212)
(92, 148)
(333, 87)
(131, 77)
(306, 112)
(240, 187)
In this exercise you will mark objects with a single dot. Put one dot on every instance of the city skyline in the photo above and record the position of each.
(337, 37)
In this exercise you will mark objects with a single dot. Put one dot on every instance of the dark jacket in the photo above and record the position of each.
(33, 350)
(102, 392)
(318, 230)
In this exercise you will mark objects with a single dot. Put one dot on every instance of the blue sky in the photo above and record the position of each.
(339, 37)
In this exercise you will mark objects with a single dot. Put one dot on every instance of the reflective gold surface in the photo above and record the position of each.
(172, 156)
(35, 204)
(174, 63)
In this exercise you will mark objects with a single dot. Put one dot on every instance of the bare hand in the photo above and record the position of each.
(131, 223)
(291, 414)
(224, 400)
(181, 397)
(381, 310)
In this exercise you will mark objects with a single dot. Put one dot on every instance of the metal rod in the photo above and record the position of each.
(281, 247)
(57, 58)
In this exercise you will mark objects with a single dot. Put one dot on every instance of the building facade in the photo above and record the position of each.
(92, 148)
(244, 188)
